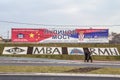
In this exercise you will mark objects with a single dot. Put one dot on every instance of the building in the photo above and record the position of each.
(1, 39)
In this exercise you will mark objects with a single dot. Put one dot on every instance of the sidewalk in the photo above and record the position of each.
(43, 60)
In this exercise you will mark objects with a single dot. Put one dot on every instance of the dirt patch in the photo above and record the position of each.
(83, 70)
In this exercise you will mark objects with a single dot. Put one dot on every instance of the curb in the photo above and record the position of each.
(62, 74)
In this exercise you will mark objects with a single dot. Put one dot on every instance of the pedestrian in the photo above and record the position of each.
(87, 55)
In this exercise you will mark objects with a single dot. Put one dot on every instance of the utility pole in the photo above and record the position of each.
(8, 35)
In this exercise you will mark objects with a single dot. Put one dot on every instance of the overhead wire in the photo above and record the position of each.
(12, 22)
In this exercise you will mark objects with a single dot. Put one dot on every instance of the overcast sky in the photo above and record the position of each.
(64, 12)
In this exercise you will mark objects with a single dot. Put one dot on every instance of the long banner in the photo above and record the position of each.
(58, 35)
(108, 51)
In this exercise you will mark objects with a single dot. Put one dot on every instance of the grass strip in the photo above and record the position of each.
(59, 69)
(39, 69)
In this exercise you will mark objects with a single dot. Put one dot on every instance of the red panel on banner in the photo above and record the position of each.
(28, 35)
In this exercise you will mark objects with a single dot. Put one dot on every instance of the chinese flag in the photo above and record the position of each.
(29, 35)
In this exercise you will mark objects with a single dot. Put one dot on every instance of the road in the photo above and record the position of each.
(4, 61)
(34, 77)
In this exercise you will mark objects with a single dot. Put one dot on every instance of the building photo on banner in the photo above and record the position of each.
(60, 35)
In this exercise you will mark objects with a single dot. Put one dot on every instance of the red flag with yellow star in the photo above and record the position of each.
(28, 35)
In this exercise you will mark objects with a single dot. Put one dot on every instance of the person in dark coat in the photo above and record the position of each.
(85, 54)
(88, 55)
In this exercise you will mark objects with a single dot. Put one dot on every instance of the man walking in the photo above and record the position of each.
(88, 55)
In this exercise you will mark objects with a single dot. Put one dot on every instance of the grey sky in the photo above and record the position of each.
(76, 12)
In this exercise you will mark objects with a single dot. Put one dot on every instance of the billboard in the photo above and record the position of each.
(101, 51)
(60, 35)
